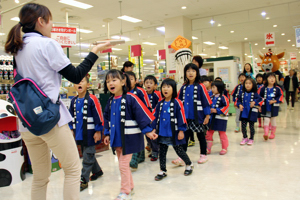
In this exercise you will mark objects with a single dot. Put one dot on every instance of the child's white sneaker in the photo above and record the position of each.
(123, 196)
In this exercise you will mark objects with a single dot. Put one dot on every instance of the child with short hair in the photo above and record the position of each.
(126, 120)
(235, 93)
(248, 103)
(225, 91)
(87, 126)
(259, 81)
(154, 96)
(142, 94)
(170, 124)
(273, 96)
(207, 82)
(219, 117)
(196, 103)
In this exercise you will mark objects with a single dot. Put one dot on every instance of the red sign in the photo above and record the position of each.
(172, 71)
(269, 39)
(136, 50)
(283, 62)
(293, 56)
(65, 36)
(259, 64)
(161, 54)
(107, 51)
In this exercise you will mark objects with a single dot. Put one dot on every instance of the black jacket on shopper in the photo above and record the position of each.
(287, 83)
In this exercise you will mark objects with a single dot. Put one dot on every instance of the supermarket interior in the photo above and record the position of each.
(159, 38)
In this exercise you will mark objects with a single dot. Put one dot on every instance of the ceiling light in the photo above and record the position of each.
(267, 17)
(116, 49)
(288, 40)
(213, 56)
(274, 25)
(293, 45)
(219, 24)
(149, 43)
(203, 54)
(117, 37)
(245, 38)
(231, 31)
(223, 47)
(17, 1)
(2, 33)
(183, 7)
(209, 43)
(245, 54)
(194, 38)
(255, 58)
(249, 56)
(84, 30)
(76, 4)
(162, 29)
(17, 19)
(103, 25)
(212, 22)
(129, 19)
(263, 13)
(282, 33)
(264, 47)
(255, 44)
(84, 45)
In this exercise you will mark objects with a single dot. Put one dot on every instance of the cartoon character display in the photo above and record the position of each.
(270, 63)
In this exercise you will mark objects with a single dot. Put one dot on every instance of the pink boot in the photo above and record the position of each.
(273, 130)
(266, 135)
(270, 126)
(209, 145)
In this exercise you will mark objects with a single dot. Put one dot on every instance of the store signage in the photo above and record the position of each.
(297, 31)
(259, 64)
(65, 36)
(283, 62)
(136, 50)
(107, 51)
(172, 71)
(270, 39)
(161, 54)
(293, 56)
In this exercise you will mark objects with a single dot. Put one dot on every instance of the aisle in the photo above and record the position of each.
(266, 170)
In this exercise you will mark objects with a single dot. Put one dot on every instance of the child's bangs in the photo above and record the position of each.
(113, 74)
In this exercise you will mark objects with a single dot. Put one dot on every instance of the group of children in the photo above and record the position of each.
(165, 118)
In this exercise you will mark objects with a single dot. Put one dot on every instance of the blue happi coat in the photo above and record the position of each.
(218, 121)
(274, 94)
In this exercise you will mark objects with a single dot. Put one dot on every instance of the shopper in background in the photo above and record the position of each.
(126, 120)
(248, 70)
(127, 67)
(42, 59)
(87, 126)
(198, 61)
(196, 101)
(235, 93)
(291, 87)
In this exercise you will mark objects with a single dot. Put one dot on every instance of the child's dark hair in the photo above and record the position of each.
(218, 79)
(172, 83)
(220, 86)
(205, 78)
(250, 67)
(242, 74)
(259, 75)
(119, 75)
(87, 78)
(127, 82)
(254, 85)
(194, 67)
(266, 79)
(199, 60)
(151, 77)
(126, 64)
(131, 74)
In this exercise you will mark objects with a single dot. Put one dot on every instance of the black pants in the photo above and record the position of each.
(244, 129)
(201, 138)
(163, 149)
(287, 97)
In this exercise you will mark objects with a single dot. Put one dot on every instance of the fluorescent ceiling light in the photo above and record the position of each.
(117, 37)
(183, 7)
(2, 33)
(129, 19)
(288, 40)
(293, 45)
(245, 38)
(17, 19)
(249, 56)
(84, 30)
(223, 47)
(194, 38)
(219, 24)
(264, 47)
(148, 60)
(209, 43)
(149, 43)
(267, 17)
(282, 33)
(245, 54)
(162, 29)
(203, 54)
(274, 25)
(76, 4)
(212, 22)
(263, 13)
(256, 44)
(116, 49)
(231, 31)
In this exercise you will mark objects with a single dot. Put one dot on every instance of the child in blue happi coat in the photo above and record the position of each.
(219, 116)
(248, 103)
(170, 124)
(126, 120)
(259, 81)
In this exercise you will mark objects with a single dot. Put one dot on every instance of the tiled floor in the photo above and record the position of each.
(266, 170)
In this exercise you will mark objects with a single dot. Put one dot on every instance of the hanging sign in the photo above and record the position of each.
(283, 62)
(293, 56)
(161, 54)
(297, 31)
(65, 36)
(135, 50)
(270, 39)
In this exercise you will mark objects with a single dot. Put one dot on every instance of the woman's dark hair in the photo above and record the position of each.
(254, 85)
(218, 78)
(199, 60)
(127, 64)
(119, 75)
(242, 74)
(205, 78)
(131, 74)
(220, 86)
(171, 83)
(28, 15)
(266, 79)
(151, 77)
(251, 68)
(194, 67)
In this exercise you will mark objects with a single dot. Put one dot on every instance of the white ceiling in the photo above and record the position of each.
(239, 15)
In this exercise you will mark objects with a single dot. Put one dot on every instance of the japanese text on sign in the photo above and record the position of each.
(65, 36)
